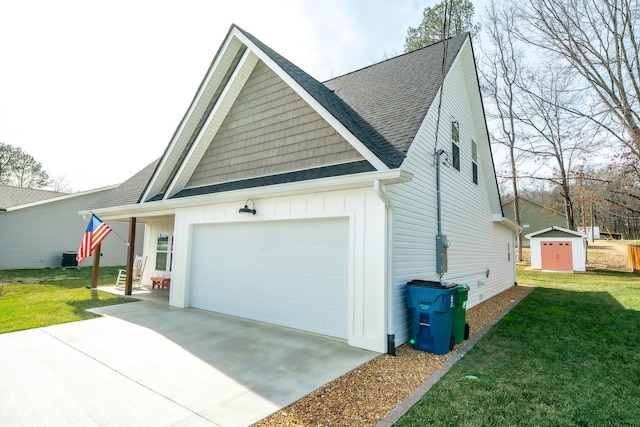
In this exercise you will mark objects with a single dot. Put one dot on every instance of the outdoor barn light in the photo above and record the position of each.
(246, 208)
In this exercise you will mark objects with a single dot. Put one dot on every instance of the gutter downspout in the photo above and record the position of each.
(391, 334)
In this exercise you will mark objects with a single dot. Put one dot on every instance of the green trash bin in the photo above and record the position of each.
(460, 328)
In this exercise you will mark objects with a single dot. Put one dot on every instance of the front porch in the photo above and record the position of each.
(144, 292)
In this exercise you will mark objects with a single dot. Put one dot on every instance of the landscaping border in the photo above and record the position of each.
(403, 407)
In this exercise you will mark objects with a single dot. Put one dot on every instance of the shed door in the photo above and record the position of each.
(290, 273)
(556, 256)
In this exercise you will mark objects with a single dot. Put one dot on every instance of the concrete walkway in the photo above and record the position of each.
(148, 364)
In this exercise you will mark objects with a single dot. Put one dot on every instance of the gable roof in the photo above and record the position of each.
(377, 109)
(542, 207)
(558, 230)
(11, 197)
(393, 97)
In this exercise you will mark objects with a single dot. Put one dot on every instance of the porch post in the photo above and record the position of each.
(130, 253)
(96, 266)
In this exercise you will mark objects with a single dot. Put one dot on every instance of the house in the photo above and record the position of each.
(311, 205)
(558, 249)
(533, 216)
(38, 226)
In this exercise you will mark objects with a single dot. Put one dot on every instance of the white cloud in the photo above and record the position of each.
(94, 91)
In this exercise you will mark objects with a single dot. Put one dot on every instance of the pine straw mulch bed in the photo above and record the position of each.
(365, 395)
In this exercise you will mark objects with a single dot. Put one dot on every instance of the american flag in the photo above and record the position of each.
(96, 232)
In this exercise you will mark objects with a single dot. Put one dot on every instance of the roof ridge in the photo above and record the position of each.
(432, 45)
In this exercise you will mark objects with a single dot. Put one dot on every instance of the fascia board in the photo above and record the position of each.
(164, 169)
(168, 207)
(60, 198)
(214, 121)
(335, 123)
(507, 223)
(546, 230)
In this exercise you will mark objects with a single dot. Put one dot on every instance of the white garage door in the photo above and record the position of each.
(290, 273)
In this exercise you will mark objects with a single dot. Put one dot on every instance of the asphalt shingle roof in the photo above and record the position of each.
(11, 196)
(393, 96)
(382, 105)
(130, 191)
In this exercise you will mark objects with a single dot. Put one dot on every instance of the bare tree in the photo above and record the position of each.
(599, 40)
(557, 138)
(501, 69)
(61, 184)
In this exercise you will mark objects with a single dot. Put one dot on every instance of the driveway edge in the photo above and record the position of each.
(403, 407)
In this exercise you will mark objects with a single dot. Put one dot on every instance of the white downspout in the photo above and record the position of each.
(391, 334)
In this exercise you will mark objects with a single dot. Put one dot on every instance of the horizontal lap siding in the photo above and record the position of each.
(476, 242)
(36, 236)
(269, 130)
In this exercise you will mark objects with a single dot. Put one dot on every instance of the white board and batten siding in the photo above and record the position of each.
(358, 213)
(478, 245)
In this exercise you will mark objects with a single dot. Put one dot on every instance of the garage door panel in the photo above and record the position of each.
(291, 273)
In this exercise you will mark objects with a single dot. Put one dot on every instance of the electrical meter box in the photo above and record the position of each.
(441, 253)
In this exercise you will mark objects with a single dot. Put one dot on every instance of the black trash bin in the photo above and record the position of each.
(69, 259)
(431, 307)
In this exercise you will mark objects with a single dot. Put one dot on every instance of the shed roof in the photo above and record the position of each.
(557, 231)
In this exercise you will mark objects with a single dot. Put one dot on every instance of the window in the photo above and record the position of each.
(474, 162)
(164, 252)
(455, 143)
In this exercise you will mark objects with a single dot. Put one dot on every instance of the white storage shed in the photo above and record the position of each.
(558, 249)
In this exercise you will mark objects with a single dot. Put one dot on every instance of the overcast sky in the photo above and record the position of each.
(94, 90)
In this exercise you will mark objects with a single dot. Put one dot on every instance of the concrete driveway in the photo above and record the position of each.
(148, 364)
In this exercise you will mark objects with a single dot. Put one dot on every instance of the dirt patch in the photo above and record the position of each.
(365, 395)
(607, 254)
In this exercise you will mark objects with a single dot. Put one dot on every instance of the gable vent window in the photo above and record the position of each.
(474, 162)
(455, 143)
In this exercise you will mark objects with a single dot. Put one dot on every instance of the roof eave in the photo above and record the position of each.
(168, 207)
(507, 223)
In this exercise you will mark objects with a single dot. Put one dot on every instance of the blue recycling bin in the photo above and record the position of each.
(431, 307)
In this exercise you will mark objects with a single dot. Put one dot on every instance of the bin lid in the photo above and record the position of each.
(431, 284)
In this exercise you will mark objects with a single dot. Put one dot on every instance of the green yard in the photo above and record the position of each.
(567, 355)
(41, 297)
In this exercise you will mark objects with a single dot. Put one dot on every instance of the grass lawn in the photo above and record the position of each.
(43, 297)
(567, 355)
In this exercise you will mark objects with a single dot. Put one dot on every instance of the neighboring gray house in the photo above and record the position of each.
(311, 205)
(533, 217)
(38, 226)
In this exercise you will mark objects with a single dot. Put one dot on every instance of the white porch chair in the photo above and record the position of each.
(139, 263)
